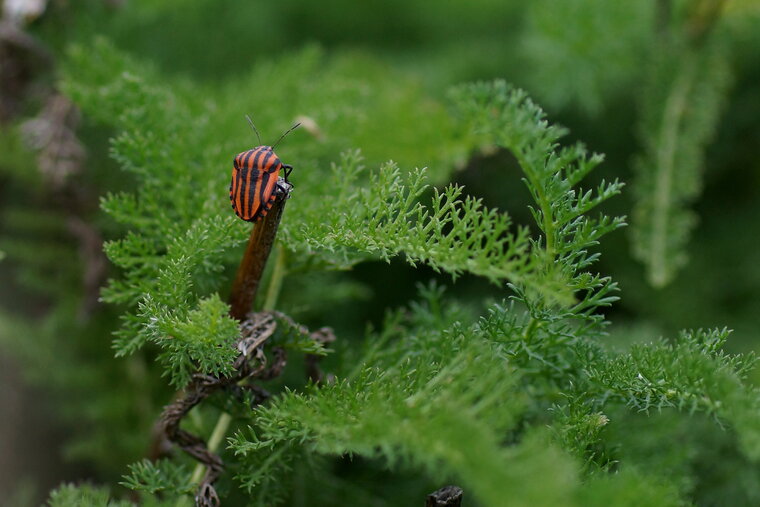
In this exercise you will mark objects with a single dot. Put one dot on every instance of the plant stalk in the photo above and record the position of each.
(248, 277)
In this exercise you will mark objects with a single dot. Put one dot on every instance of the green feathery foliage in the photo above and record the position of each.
(439, 395)
(385, 218)
(508, 118)
(681, 102)
(446, 397)
(422, 386)
(435, 390)
(179, 227)
(495, 394)
(164, 476)
(69, 495)
(692, 375)
(180, 232)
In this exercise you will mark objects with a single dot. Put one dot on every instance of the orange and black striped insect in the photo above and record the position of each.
(254, 179)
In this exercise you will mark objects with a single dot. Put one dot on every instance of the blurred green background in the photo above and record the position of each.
(585, 61)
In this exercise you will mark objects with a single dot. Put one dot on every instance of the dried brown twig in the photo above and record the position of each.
(259, 328)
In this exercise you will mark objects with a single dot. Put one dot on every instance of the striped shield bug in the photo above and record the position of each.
(254, 179)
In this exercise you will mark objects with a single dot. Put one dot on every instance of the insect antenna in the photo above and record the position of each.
(254, 128)
(291, 129)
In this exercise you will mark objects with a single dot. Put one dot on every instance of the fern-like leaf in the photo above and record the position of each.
(681, 103)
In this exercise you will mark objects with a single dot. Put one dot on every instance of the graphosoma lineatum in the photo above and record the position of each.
(254, 179)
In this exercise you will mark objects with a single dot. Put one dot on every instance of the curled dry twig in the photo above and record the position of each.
(251, 364)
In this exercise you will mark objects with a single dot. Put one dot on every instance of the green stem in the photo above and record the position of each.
(544, 204)
(530, 329)
(213, 443)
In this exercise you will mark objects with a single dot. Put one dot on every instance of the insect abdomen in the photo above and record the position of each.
(254, 176)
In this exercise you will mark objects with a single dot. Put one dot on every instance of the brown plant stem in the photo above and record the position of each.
(248, 277)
